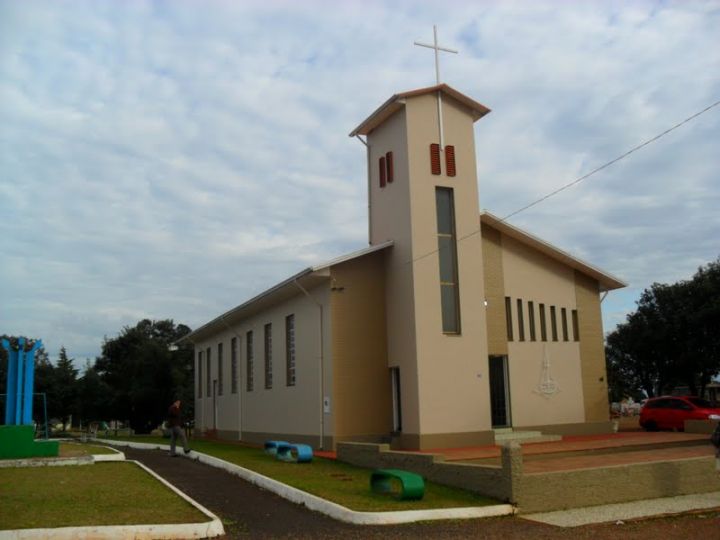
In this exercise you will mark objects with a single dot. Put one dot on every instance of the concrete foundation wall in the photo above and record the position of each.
(542, 492)
(606, 485)
(489, 481)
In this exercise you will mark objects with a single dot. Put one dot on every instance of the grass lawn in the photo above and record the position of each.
(71, 449)
(332, 480)
(102, 494)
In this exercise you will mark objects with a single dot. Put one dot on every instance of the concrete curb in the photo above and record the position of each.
(47, 462)
(117, 455)
(326, 507)
(169, 531)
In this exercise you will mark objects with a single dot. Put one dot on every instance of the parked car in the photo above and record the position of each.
(670, 412)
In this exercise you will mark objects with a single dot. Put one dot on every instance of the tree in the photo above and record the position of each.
(64, 388)
(671, 338)
(144, 375)
(91, 397)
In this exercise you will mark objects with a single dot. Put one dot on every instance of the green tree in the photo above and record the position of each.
(671, 339)
(92, 394)
(144, 375)
(64, 388)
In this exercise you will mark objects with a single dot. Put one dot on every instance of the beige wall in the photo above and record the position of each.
(454, 396)
(592, 349)
(494, 291)
(390, 220)
(361, 379)
(282, 409)
(531, 276)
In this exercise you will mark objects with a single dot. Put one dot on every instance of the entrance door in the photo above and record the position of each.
(499, 392)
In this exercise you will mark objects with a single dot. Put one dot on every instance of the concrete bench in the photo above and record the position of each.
(272, 446)
(412, 486)
(294, 453)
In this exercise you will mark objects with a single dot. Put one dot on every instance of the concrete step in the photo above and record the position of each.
(504, 435)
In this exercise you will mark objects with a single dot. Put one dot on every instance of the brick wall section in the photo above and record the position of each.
(592, 351)
(494, 291)
(543, 492)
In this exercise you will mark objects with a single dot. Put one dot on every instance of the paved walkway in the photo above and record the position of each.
(250, 512)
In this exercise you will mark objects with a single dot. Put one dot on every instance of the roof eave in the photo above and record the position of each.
(395, 102)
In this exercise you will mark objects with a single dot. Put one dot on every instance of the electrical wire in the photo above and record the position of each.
(584, 177)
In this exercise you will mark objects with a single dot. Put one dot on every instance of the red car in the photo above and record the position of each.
(670, 412)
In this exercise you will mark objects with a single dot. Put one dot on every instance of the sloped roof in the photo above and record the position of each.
(397, 101)
(607, 281)
(308, 278)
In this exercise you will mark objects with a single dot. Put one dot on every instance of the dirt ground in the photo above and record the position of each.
(250, 512)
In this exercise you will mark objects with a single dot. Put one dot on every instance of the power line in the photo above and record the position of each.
(612, 162)
(577, 181)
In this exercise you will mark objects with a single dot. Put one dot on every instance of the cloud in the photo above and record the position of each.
(172, 160)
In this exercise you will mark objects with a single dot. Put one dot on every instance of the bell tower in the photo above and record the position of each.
(423, 195)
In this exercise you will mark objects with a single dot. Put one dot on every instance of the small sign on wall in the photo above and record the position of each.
(326, 404)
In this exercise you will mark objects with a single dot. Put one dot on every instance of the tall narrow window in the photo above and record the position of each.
(220, 369)
(435, 158)
(563, 321)
(382, 172)
(543, 326)
(268, 356)
(290, 349)
(233, 365)
(521, 321)
(389, 166)
(553, 323)
(208, 392)
(508, 318)
(450, 160)
(531, 320)
(447, 256)
(200, 371)
(249, 359)
(576, 325)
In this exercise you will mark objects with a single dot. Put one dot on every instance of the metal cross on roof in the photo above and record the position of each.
(437, 49)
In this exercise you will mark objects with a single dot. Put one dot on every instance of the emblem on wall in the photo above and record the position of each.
(547, 387)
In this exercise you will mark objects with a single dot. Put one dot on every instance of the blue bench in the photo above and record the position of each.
(412, 486)
(272, 446)
(294, 453)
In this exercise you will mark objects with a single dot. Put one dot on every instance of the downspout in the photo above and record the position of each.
(368, 188)
(321, 360)
(604, 295)
(240, 379)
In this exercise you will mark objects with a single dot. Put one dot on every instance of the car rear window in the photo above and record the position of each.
(705, 404)
(655, 404)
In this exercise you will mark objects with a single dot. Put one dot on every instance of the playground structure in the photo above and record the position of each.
(17, 436)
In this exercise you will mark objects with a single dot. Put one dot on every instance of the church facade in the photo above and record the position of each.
(450, 325)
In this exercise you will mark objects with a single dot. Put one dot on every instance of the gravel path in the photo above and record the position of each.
(250, 512)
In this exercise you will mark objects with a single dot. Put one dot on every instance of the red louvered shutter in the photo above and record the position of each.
(450, 160)
(382, 172)
(435, 158)
(389, 165)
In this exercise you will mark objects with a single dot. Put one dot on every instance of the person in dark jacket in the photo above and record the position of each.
(175, 424)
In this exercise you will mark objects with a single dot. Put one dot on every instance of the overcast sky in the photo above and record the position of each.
(173, 159)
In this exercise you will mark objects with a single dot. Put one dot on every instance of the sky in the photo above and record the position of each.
(174, 159)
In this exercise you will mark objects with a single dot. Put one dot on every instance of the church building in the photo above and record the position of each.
(450, 327)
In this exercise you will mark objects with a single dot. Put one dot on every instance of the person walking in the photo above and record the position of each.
(176, 428)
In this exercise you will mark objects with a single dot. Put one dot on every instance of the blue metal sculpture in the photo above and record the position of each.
(20, 382)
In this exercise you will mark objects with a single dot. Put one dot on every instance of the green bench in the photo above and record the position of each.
(412, 486)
